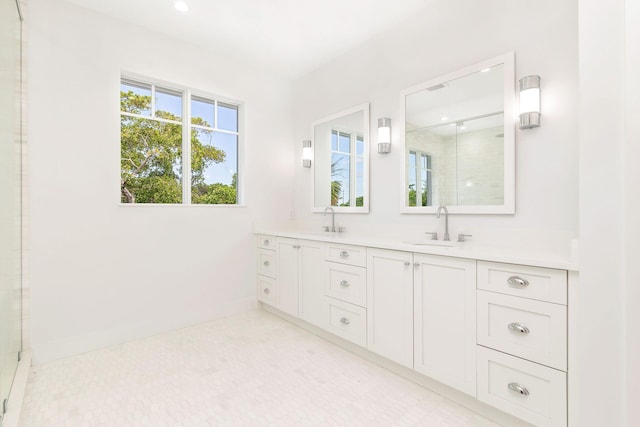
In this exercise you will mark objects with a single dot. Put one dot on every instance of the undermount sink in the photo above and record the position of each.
(428, 242)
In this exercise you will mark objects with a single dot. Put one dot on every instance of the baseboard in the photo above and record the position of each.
(62, 348)
(19, 386)
(456, 396)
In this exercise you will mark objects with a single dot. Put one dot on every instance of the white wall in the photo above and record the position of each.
(446, 36)
(103, 273)
(632, 207)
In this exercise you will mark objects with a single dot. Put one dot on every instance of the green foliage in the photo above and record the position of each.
(151, 158)
(413, 196)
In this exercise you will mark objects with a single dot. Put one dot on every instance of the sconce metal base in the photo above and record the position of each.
(384, 147)
(529, 120)
(306, 163)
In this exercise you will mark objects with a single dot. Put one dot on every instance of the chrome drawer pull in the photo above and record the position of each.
(266, 243)
(407, 263)
(344, 283)
(266, 263)
(266, 291)
(517, 282)
(344, 321)
(518, 389)
(344, 254)
(515, 326)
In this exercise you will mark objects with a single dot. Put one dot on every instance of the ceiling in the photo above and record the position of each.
(286, 37)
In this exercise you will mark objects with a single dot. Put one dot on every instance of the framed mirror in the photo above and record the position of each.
(459, 141)
(341, 161)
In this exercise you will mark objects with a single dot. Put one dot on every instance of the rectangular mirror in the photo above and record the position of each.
(341, 161)
(459, 133)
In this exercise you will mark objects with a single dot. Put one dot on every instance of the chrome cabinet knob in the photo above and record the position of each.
(416, 265)
(517, 282)
(518, 327)
(266, 291)
(407, 263)
(344, 254)
(344, 321)
(266, 243)
(345, 283)
(518, 389)
(266, 263)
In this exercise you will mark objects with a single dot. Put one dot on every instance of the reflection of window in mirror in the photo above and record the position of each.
(347, 164)
(420, 179)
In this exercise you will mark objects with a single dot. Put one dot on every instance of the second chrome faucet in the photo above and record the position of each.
(446, 221)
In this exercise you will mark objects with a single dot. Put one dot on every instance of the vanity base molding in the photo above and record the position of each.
(428, 383)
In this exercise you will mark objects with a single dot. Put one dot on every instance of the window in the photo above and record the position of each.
(347, 164)
(175, 147)
(420, 173)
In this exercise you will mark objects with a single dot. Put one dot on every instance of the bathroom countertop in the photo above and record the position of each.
(468, 249)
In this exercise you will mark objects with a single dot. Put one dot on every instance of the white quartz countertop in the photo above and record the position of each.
(472, 250)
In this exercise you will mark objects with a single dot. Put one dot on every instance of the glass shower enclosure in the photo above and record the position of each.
(10, 195)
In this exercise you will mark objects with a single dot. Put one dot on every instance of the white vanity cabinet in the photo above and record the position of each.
(444, 318)
(522, 337)
(299, 278)
(345, 304)
(266, 269)
(390, 304)
(495, 331)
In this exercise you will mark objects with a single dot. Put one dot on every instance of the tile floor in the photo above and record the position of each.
(252, 369)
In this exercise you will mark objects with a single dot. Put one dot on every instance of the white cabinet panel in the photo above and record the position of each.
(346, 282)
(287, 277)
(346, 320)
(266, 242)
(533, 392)
(346, 254)
(390, 305)
(445, 320)
(544, 284)
(267, 289)
(267, 262)
(534, 330)
(311, 281)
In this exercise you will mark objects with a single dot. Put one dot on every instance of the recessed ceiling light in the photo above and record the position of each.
(181, 6)
(485, 70)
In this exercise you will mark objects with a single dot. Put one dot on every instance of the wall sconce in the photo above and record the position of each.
(307, 153)
(384, 135)
(529, 102)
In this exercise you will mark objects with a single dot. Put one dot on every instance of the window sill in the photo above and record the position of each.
(173, 205)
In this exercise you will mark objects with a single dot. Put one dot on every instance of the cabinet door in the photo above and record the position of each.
(390, 305)
(311, 281)
(287, 275)
(445, 320)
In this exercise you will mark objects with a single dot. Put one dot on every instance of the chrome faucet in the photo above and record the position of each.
(333, 218)
(446, 221)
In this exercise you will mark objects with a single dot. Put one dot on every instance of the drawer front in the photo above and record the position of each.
(267, 289)
(346, 320)
(544, 284)
(529, 391)
(266, 242)
(530, 329)
(346, 283)
(346, 254)
(267, 262)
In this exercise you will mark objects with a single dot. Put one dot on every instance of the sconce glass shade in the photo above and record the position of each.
(384, 135)
(529, 102)
(307, 153)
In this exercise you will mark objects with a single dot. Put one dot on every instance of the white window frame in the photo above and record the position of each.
(187, 94)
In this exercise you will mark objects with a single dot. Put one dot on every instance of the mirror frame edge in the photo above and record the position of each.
(365, 108)
(510, 116)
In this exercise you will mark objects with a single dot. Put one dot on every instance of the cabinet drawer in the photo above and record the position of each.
(267, 262)
(346, 254)
(266, 242)
(346, 283)
(533, 330)
(267, 289)
(544, 284)
(529, 391)
(346, 320)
